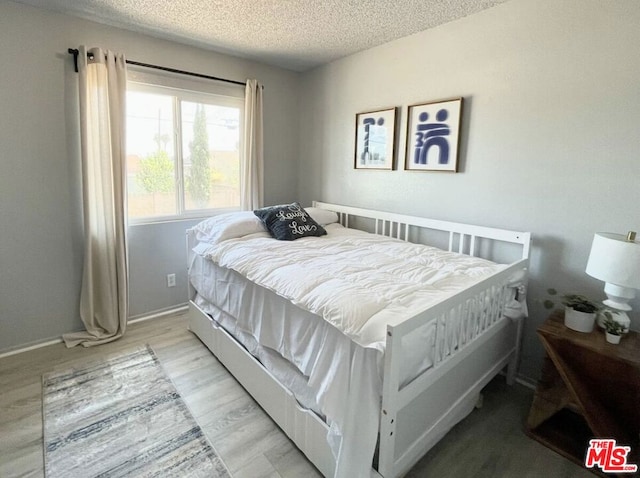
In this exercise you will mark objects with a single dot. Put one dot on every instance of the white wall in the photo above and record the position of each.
(550, 140)
(40, 203)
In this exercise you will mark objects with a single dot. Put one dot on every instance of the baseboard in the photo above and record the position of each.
(31, 346)
(182, 308)
(526, 382)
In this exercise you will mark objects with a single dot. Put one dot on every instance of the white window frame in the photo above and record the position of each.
(193, 90)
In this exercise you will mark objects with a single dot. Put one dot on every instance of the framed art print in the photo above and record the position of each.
(375, 139)
(433, 136)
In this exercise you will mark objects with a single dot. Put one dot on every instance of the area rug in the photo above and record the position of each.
(122, 417)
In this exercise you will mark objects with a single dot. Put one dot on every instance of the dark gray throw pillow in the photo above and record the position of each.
(289, 222)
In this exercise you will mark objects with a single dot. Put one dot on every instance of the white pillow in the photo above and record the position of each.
(322, 216)
(228, 226)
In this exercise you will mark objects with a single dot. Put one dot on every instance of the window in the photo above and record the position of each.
(183, 152)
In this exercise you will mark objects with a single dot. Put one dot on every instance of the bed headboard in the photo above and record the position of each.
(463, 238)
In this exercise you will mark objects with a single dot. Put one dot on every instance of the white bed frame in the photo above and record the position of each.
(415, 417)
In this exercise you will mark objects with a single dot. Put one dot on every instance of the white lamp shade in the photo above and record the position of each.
(615, 260)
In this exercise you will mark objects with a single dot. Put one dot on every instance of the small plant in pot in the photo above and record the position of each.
(613, 329)
(580, 303)
(579, 311)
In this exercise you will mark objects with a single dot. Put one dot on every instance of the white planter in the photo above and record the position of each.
(612, 339)
(579, 321)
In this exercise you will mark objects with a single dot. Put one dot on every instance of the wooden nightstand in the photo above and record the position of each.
(589, 389)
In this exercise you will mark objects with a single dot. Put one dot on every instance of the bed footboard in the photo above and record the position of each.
(413, 418)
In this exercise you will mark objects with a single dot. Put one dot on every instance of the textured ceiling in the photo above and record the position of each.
(293, 34)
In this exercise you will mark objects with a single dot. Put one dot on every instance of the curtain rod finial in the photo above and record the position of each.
(74, 52)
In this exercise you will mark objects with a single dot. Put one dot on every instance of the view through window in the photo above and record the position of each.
(183, 153)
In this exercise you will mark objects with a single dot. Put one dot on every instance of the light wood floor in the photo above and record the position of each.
(488, 443)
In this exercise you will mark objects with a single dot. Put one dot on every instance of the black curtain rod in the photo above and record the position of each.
(75, 52)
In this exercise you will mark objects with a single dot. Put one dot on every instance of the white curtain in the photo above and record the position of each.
(104, 295)
(252, 164)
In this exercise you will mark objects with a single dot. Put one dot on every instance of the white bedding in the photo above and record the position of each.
(358, 283)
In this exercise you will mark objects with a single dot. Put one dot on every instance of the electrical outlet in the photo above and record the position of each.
(171, 280)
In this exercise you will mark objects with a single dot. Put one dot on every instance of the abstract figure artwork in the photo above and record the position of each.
(375, 139)
(432, 136)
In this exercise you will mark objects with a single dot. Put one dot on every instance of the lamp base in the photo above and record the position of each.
(619, 316)
(618, 296)
(617, 304)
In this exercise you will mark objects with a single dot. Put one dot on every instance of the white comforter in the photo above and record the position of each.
(356, 281)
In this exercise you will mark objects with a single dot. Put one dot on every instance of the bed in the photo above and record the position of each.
(363, 345)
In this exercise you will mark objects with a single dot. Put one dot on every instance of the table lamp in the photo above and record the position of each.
(615, 259)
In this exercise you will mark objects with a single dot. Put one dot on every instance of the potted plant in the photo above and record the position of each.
(579, 311)
(613, 329)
